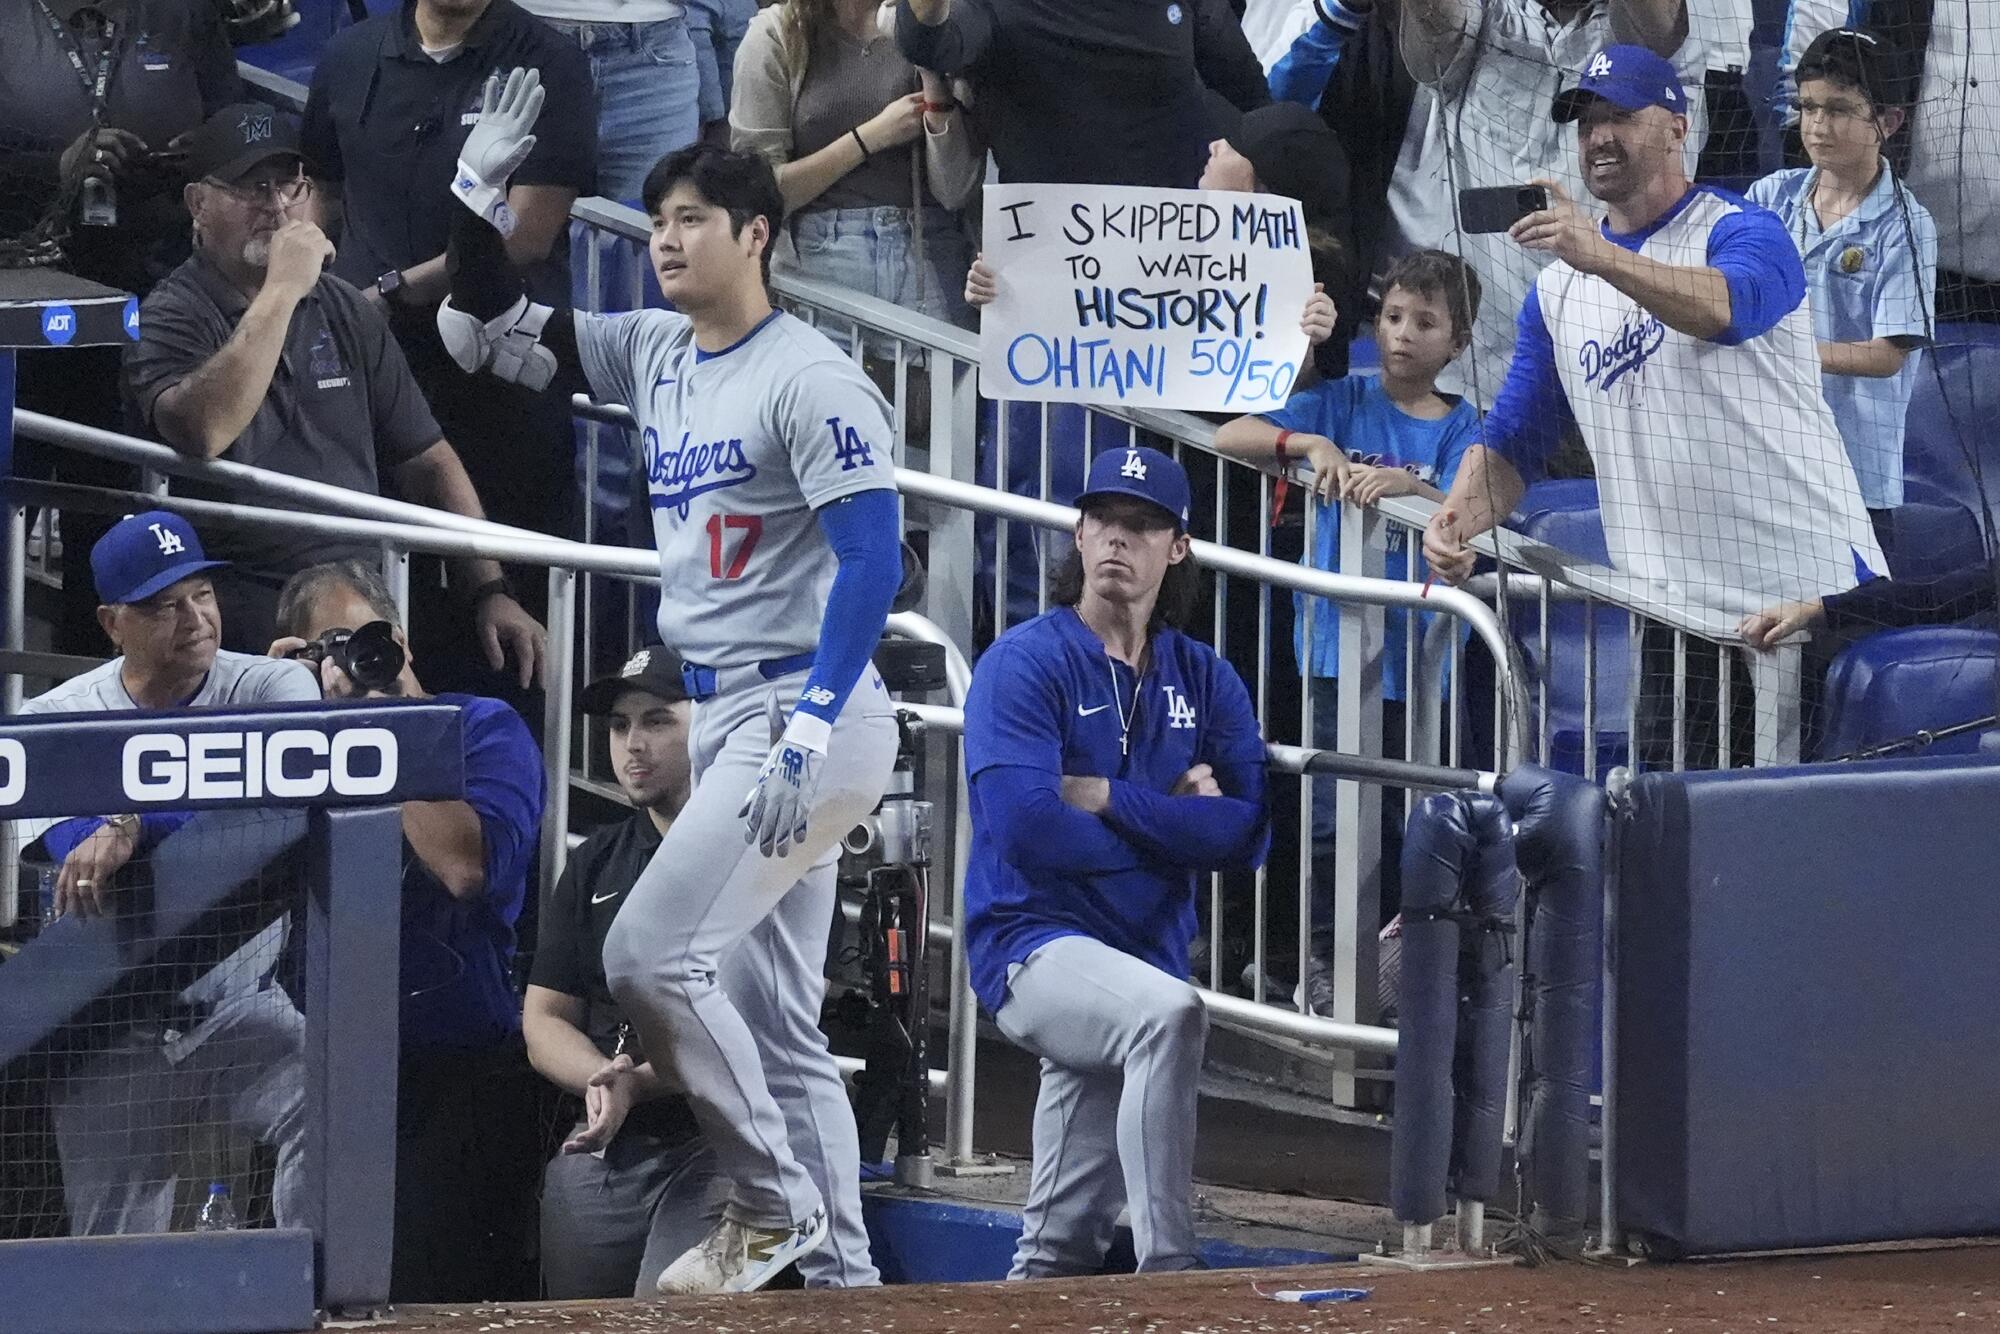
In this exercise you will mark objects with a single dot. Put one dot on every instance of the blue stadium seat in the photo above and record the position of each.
(1950, 440)
(1899, 682)
(1564, 514)
(1932, 535)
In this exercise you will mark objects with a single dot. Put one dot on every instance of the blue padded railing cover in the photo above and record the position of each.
(1807, 1052)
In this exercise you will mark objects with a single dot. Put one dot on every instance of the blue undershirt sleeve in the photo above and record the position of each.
(1529, 413)
(1302, 73)
(60, 840)
(1766, 277)
(862, 529)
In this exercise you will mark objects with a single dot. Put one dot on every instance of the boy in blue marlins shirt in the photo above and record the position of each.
(1870, 251)
(1366, 437)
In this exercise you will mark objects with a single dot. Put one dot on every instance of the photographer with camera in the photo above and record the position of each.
(228, 1050)
(467, 1151)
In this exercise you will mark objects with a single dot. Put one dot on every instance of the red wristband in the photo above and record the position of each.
(1284, 455)
(940, 106)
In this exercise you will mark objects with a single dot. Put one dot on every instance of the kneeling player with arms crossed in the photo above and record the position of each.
(778, 525)
(1111, 758)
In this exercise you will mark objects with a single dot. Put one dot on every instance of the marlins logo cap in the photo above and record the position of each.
(1630, 77)
(655, 670)
(237, 138)
(1143, 472)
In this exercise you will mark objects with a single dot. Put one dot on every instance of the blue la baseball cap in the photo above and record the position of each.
(144, 553)
(1625, 76)
(1143, 472)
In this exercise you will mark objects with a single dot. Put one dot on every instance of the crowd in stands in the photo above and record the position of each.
(1718, 306)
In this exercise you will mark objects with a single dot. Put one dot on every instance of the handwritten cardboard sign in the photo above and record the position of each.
(1144, 297)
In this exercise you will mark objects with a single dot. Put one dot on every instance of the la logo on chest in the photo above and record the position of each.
(1180, 713)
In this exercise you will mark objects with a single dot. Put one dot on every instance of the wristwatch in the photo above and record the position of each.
(389, 284)
(127, 824)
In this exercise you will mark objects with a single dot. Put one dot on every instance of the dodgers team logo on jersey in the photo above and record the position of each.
(677, 476)
(1604, 364)
(1180, 713)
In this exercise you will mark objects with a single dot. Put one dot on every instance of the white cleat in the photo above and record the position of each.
(737, 1257)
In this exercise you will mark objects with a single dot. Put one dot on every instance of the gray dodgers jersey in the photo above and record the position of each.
(739, 449)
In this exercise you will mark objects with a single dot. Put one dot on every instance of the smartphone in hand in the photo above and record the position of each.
(1496, 208)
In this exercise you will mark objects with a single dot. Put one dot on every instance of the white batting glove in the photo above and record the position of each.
(500, 141)
(778, 803)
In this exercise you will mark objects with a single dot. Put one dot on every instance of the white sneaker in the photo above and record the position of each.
(736, 1257)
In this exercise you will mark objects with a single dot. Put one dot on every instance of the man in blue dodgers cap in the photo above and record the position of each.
(1675, 336)
(1112, 760)
(228, 1050)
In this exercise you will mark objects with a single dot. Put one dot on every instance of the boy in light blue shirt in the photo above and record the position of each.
(1365, 438)
(1870, 253)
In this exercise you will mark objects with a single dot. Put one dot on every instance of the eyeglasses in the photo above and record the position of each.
(285, 191)
(1834, 111)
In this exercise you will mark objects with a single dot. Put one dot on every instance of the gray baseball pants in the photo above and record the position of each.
(125, 1119)
(1121, 1046)
(705, 891)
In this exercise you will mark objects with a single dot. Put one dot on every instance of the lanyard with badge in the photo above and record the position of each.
(99, 202)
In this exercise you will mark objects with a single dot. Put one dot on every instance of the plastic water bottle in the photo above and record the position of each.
(217, 1213)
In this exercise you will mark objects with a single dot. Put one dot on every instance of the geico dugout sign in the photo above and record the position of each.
(293, 764)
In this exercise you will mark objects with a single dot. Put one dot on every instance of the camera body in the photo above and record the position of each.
(370, 657)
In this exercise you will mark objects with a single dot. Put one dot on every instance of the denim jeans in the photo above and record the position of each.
(648, 96)
(873, 250)
(717, 27)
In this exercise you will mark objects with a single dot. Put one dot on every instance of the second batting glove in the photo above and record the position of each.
(776, 808)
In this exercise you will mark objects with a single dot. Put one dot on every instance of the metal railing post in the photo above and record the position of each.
(14, 554)
(558, 691)
(1357, 880)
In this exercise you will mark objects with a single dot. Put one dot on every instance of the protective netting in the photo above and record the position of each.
(141, 1078)
(1742, 442)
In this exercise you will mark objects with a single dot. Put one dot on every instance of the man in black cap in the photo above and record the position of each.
(250, 351)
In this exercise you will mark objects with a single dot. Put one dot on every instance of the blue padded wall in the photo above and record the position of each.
(1807, 1053)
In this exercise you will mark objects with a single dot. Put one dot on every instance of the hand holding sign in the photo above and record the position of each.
(1189, 299)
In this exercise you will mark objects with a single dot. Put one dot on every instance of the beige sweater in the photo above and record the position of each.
(764, 108)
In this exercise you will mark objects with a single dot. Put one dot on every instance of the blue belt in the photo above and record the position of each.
(700, 681)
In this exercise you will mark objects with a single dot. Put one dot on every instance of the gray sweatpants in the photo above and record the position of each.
(126, 1118)
(631, 1211)
(705, 890)
(1121, 1046)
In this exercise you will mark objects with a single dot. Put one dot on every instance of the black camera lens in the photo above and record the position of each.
(371, 656)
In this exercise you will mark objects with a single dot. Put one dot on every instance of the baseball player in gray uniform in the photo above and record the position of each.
(768, 465)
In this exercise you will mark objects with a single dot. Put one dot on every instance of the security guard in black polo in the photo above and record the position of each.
(391, 103)
(634, 1185)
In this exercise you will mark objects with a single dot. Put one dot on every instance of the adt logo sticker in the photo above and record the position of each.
(58, 324)
(1174, 15)
(132, 318)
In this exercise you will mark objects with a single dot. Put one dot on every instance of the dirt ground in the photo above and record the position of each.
(1908, 1290)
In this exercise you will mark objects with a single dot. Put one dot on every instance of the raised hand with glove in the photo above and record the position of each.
(778, 804)
(500, 141)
